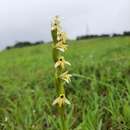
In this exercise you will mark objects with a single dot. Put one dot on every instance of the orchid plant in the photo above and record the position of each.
(62, 75)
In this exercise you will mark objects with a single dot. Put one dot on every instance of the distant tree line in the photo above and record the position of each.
(126, 33)
(21, 44)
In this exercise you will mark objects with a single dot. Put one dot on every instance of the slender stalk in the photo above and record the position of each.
(63, 120)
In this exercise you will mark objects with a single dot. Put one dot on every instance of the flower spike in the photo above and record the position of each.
(61, 75)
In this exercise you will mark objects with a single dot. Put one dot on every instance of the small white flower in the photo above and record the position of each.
(61, 36)
(34, 111)
(61, 62)
(66, 77)
(61, 100)
(6, 119)
(60, 46)
(55, 25)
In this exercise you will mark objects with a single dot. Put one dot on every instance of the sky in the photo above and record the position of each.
(29, 20)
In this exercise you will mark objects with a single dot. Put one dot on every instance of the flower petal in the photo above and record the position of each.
(57, 64)
(61, 49)
(66, 62)
(67, 101)
(56, 101)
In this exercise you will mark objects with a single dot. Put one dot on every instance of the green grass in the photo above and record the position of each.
(99, 91)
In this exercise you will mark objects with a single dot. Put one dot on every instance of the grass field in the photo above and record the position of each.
(99, 91)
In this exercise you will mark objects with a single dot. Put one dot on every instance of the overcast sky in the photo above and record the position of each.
(29, 20)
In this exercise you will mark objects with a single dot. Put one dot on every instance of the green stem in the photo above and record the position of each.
(63, 120)
(59, 84)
